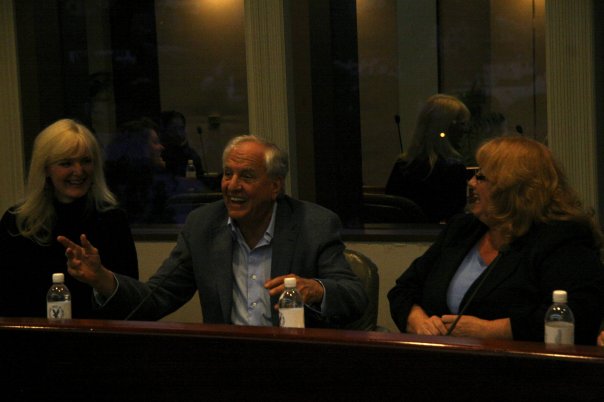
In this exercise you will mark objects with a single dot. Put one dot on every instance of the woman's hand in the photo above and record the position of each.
(471, 326)
(419, 323)
(601, 338)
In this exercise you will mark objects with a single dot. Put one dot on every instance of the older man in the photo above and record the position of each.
(237, 252)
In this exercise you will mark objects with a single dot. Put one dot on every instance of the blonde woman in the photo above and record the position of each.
(526, 236)
(430, 172)
(66, 195)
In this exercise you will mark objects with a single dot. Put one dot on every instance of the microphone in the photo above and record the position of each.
(397, 120)
(482, 280)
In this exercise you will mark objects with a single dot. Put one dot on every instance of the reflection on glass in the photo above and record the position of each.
(490, 55)
(107, 63)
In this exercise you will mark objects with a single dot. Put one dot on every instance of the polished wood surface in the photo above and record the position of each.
(117, 360)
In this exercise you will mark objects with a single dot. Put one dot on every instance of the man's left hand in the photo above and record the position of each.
(310, 289)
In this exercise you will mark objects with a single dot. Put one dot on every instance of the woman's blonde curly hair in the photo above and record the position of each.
(528, 186)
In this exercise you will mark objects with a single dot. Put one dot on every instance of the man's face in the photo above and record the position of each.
(155, 150)
(248, 192)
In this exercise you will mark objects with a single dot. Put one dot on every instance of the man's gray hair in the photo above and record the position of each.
(277, 161)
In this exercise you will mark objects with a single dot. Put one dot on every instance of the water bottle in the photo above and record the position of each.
(191, 176)
(559, 321)
(291, 307)
(190, 171)
(58, 299)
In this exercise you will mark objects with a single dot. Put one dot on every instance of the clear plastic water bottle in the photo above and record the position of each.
(58, 299)
(191, 171)
(559, 321)
(291, 307)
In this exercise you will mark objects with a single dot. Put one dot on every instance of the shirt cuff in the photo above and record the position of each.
(101, 300)
(319, 308)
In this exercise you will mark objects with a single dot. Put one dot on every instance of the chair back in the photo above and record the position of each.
(367, 272)
(386, 208)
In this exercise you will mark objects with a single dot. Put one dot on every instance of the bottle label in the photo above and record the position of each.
(59, 310)
(291, 317)
(560, 333)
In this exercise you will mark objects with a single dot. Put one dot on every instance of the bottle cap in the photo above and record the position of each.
(560, 296)
(290, 282)
(190, 162)
(58, 278)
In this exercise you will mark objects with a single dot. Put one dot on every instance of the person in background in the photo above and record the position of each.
(66, 195)
(526, 236)
(600, 340)
(430, 172)
(237, 251)
(137, 175)
(177, 151)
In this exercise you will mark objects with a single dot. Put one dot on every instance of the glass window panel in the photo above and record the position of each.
(489, 54)
(109, 63)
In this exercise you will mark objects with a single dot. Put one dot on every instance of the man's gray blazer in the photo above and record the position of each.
(306, 242)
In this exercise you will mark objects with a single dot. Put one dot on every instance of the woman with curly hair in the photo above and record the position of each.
(491, 273)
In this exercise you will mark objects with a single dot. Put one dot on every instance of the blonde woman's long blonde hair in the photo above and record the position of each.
(437, 115)
(36, 215)
(528, 186)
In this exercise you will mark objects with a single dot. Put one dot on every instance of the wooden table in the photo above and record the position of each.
(128, 361)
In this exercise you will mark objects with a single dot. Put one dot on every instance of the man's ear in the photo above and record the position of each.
(278, 187)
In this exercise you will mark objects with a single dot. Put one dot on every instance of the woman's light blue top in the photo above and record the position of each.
(469, 270)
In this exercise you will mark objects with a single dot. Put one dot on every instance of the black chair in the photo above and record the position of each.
(386, 208)
(367, 272)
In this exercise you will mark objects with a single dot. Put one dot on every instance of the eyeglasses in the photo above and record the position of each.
(479, 176)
